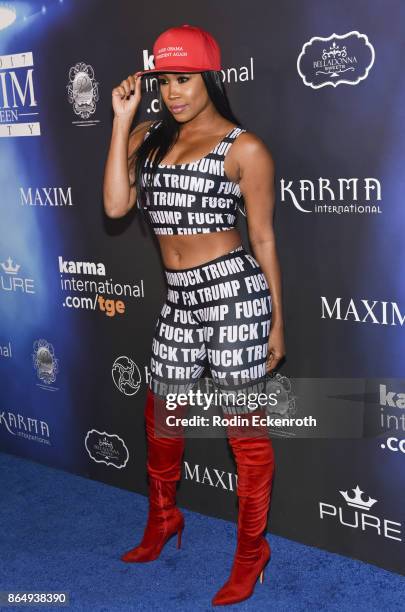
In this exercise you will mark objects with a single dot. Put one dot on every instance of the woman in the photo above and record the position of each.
(189, 172)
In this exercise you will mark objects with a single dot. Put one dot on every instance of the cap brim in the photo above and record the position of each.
(169, 69)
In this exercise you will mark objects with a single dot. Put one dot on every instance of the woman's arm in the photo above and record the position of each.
(256, 171)
(119, 197)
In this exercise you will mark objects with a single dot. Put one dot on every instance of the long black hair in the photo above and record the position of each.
(163, 138)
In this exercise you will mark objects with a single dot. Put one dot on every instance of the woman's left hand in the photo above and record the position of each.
(276, 348)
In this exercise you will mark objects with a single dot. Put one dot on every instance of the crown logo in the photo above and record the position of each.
(105, 443)
(10, 269)
(357, 501)
(334, 51)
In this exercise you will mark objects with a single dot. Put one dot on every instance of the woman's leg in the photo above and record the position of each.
(164, 455)
(177, 339)
(234, 293)
(254, 458)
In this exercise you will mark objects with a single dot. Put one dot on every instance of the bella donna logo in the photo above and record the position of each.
(336, 59)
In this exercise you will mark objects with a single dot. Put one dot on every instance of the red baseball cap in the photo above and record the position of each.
(185, 49)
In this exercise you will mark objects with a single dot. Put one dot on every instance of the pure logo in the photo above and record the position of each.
(356, 515)
(12, 279)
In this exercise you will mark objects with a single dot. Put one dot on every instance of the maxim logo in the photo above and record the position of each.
(360, 517)
(211, 476)
(378, 313)
(323, 192)
(336, 59)
(11, 280)
(17, 96)
(46, 196)
(81, 267)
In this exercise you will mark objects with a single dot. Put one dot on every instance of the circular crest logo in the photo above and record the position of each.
(45, 362)
(126, 375)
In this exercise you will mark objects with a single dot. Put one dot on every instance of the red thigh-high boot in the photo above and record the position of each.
(164, 470)
(254, 458)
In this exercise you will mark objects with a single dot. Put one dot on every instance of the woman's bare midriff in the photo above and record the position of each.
(180, 252)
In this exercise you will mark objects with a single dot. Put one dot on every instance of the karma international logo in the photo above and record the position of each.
(335, 60)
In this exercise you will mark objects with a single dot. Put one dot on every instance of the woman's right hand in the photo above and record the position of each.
(127, 96)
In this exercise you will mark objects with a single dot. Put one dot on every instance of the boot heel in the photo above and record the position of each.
(261, 577)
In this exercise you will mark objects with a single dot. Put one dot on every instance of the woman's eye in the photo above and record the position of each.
(181, 79)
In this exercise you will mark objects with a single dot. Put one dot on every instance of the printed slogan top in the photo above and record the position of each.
(193, 198)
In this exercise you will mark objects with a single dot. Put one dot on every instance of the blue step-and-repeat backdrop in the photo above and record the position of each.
(322, 84)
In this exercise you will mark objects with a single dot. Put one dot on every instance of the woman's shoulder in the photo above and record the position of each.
(247, 140)
(248, 146)
(241, 131)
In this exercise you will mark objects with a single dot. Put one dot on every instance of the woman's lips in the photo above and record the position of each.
(178, 108)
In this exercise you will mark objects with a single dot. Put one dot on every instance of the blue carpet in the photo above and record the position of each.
(61, 532)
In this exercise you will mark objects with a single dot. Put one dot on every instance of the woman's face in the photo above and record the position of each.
(184, 94)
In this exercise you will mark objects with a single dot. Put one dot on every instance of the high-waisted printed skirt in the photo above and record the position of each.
(217, 314)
